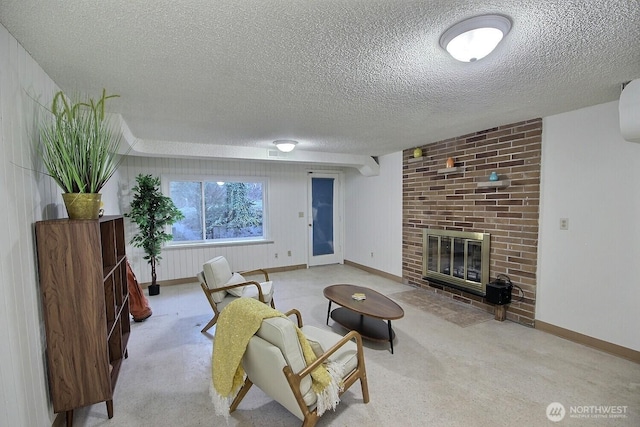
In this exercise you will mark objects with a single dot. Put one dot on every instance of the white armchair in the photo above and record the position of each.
(274, 362)
(221, 286)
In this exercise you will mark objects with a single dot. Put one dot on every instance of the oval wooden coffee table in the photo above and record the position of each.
(367, 316)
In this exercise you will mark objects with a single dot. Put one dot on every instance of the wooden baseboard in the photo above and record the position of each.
(374, 271)
(286, 268)
(171, 282)
(193, 279)
(607, 347)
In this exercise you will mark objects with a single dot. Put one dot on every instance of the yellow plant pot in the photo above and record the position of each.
(82, 205)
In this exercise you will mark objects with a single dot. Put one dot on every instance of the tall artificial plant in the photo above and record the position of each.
(153, 212)
(78, 145)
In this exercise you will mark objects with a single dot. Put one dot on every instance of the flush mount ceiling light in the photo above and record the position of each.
(285, 145)
(476, 37)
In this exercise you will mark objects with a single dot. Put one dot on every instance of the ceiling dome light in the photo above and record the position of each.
(285, 145)
(476, 37)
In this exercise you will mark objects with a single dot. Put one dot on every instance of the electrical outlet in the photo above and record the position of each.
(564, 223)
(371, 254)
(288, 253)
(276, 255)
(300, 214)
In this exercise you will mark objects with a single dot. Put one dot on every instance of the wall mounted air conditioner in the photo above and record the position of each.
(629, 108)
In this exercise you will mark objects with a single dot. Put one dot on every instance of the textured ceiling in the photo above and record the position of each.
(355, 77)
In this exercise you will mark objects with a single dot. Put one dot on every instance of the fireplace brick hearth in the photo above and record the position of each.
(434, 197)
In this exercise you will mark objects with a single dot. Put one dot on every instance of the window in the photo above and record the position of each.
(218, 211)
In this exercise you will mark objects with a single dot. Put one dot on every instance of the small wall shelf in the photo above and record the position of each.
(494, 184)
(416, 159)
(447, 171)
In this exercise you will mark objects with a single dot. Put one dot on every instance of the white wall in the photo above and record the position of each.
(287, 197)
(25, 197)
(588, 277)
(587, 280)
(374, 217)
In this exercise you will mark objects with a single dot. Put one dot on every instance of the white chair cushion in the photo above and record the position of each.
(317, 348)
(347, 355)
(217, 296)
(263, 363)
(217, 273)
(201, 278)
(234, 280)
(281, 332)
(225, 301)
(250, 291)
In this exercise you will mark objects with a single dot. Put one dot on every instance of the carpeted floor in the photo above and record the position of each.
(487, 373)
(445, 308)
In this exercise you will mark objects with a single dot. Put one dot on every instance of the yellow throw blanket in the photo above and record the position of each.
(238, 322)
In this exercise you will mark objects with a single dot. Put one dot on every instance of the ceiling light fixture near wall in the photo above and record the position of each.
(285, 145)
(476, 37)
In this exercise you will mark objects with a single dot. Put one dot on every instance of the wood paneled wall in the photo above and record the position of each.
(287, 197)
(26, 197)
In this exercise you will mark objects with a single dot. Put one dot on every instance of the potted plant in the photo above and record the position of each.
(152, 211)
(79, 149)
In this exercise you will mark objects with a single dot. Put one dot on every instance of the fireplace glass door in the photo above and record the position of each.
(457, 258)
(474, 261)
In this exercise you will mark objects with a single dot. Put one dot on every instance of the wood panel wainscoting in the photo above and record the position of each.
(194, 279)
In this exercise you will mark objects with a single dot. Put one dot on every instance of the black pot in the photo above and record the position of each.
(154, 289)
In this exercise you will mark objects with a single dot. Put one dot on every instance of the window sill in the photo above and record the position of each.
(216, 244)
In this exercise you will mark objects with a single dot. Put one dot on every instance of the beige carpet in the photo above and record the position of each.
(452, 311)
(496, 374)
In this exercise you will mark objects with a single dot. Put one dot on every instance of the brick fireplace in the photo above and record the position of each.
(463, 199)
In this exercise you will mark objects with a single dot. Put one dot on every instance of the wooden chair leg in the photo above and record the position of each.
(310, 420)
(210, 324)
(243, 391)
(364, 386)
(208, 294)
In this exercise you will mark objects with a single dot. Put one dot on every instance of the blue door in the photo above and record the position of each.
(325, 220)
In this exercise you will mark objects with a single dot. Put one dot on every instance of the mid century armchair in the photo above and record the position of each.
(221, 286)
(274, 362)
